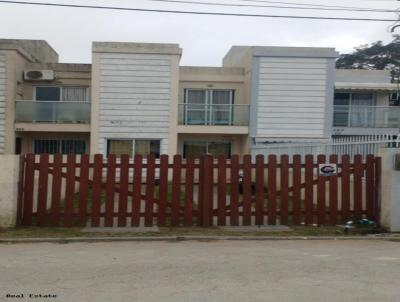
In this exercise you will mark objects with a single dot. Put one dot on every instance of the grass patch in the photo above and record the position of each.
(34, 232)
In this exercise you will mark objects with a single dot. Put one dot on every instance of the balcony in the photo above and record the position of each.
(366, 119)
(52, 112)
(213, 115)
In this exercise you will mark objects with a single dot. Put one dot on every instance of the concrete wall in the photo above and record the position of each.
(2, 98)
(390, 201)
(9, 176)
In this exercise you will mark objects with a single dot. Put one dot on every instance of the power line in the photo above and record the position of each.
(301, 4)
(279, 6)
(195, 12)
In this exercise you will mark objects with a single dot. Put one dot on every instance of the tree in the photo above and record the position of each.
(374, 56)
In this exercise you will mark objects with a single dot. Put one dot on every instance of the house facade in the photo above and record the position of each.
(135, 98)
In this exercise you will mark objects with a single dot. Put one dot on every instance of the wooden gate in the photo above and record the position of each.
(70, 190)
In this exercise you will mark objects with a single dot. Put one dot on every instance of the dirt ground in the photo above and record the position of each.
(202, 271)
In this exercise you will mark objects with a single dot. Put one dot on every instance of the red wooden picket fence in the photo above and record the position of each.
(74, 190)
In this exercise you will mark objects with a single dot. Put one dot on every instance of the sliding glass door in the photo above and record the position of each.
(208, 107)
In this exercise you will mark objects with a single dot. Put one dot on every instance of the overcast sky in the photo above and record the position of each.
(204, 39)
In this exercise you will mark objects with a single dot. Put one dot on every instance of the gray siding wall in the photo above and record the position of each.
(2, 99)
(291, 97)
(135, 97)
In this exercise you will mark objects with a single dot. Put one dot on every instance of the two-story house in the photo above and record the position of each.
(136, 98)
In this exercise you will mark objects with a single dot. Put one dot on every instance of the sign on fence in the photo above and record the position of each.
(327, 169)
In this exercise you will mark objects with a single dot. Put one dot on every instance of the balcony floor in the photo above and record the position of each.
(51, 127)
(213, 129)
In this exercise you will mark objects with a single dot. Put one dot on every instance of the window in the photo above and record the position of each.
(198, 149)
(52, 146)
(61, 93)
(352, 109)
(140, 146)
(73, 147)
(208, 106)
(119, 147)
(50, 94)
(147, 147)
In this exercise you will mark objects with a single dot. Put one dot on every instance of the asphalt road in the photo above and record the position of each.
(202, 271)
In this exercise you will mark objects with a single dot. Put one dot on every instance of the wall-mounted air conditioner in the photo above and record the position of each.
(38, 75)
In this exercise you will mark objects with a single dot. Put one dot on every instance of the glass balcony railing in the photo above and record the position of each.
(366, 116)
(52, 112)
(216, 115)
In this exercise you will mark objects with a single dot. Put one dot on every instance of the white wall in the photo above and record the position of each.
(134, 97)
(293, 96)
(2, 99)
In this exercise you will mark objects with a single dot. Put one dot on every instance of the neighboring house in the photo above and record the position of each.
(136, 98)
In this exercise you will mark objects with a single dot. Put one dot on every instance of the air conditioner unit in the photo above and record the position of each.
(38, 75)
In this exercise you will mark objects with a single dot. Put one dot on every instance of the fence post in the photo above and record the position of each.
(207, 187)
(387, 187)
(9, 177)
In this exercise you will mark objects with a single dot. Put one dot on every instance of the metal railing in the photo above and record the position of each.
(364, 145)
(217, 115)
(366, 116)
(52, 112)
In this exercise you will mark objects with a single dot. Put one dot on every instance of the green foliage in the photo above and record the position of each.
(374, 56)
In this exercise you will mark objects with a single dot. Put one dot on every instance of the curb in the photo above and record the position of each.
(193, 238)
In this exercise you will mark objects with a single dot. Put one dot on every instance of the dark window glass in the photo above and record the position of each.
(48, 93)
(195, 149)
(73, 147)
(219, 148)
(342, 99)
(119, 147)
(18, 145)
(147, 147)
(46, 146)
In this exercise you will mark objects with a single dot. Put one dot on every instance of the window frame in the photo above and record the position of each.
(59, 144)
(133, 140)
(208, 105)
(208, 142)
(61, 88)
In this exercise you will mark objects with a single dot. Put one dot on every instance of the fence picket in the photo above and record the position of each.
(221, 221)
(83, 189)
(358, 186)
(333, 194)
(370, 177)
(247, 188)
(321, 188)
(137, 189)
(309, 190)
(69, 191)
(56, 191)
(96, 195)
(284, 192)
(234, 189)
(296, 204)
(208, 186)
(345, 188)
(28, 190)
(163, 190)
(42, 189)
(189, 182)
(123, 191)
(271, 189)
(176, 190)
(149, 202)
(260, 190)
(109, 213)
